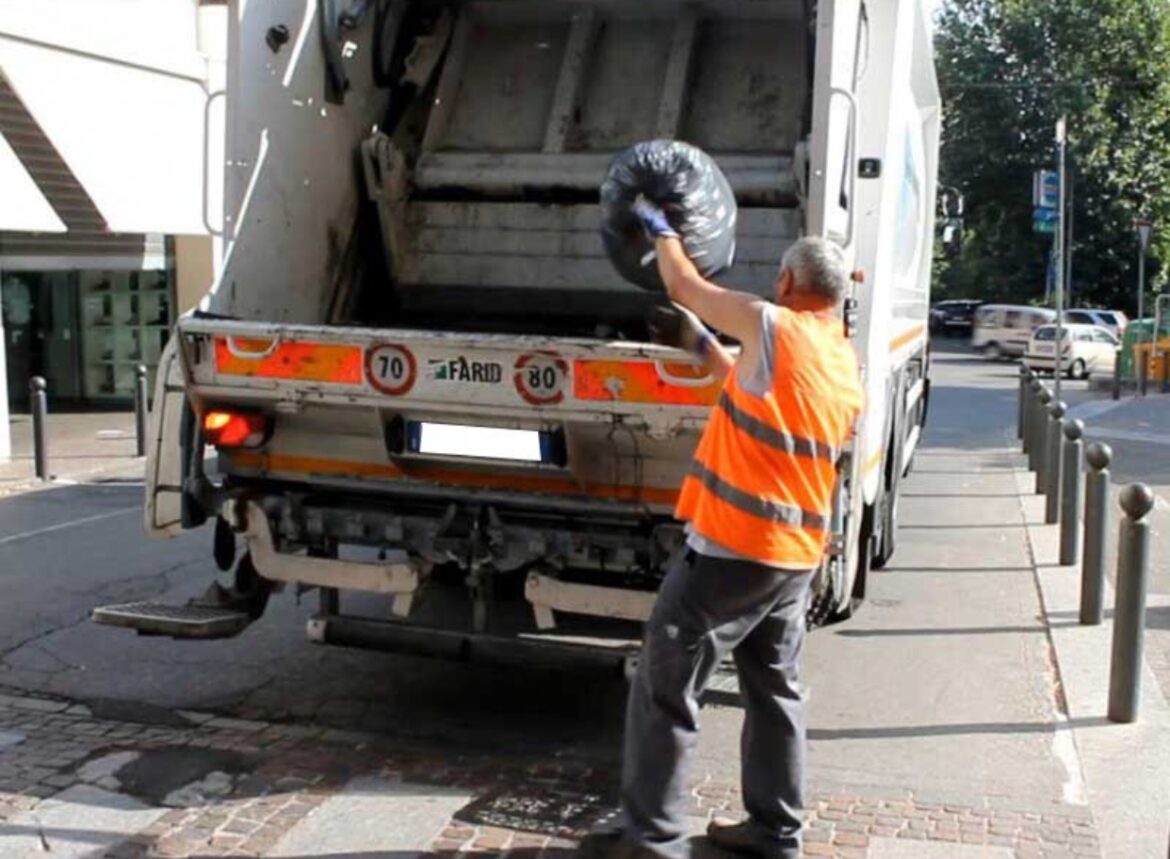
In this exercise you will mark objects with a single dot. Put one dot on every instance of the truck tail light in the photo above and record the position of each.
(228, 428)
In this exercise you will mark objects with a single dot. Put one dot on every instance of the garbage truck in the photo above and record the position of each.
(417, 387)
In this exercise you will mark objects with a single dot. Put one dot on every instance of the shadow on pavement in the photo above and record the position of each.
(994, 526)
(977, 630)
(907, 494)
(977, 728)
(992, 569)
(518, 852)
(1157, 618)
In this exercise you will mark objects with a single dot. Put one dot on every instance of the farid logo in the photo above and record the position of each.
(461, 369)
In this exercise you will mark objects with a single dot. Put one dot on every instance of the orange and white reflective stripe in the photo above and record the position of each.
(646, 382)
(305, 362)
(907, 337)
(555, 485)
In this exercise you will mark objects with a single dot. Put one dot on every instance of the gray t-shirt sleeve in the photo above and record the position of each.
(757, 380)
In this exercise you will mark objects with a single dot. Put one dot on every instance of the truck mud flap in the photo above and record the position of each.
(530, 652)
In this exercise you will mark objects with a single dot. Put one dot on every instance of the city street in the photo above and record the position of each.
(940, 725)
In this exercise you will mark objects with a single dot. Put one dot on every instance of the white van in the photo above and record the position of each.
(1004, 329)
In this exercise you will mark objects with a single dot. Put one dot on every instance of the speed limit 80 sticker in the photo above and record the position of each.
(391, 369)
(541, 377)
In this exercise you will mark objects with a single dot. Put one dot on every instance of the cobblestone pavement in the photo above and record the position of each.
(233, 787)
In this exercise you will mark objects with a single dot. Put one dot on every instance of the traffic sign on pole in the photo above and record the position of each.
(1046, 189)
(1145, 229)
(1045, 227)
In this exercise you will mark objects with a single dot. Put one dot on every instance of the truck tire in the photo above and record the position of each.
(887, 505)
(888, 541)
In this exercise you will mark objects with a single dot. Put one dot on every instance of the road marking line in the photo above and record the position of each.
(1094, 409)
(1127, 435)
(61, 527)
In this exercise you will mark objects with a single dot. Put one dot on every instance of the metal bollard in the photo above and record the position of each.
(1072, 492)
(141, 407)
(1166, 372)
(1098, 456)
(1054, 466)
(1117, 374)
(1030, 403)
(1129, 614)
(1143, 371)
(1038, 409)
(1026, 413)
(1022, 402)
(1040, 446)
(39, 401)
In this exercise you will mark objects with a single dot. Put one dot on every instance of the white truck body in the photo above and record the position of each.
(427, 253)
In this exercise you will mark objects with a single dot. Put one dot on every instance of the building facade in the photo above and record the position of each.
(110, 168)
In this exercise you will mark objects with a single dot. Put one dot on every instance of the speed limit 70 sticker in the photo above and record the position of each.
(391, 369)
(541, 377)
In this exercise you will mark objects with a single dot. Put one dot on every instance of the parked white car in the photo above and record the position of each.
(1003, 330)
(1086, 349)
(1114, 321)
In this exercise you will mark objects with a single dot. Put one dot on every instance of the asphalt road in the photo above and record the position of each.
(943, 681)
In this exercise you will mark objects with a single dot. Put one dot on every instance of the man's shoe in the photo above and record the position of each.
(747, 838)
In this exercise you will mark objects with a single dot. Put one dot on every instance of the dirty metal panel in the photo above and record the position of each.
(750, 84)
(291, 198)
(621, 99)
(530, 246)
(506, 89)
(529, 10)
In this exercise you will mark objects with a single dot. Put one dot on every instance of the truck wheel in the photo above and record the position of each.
(250, 587)
(888, 504)
(888, 541)
(993, 352)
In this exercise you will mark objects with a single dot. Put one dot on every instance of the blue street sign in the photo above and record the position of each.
(1046, 189)
(1048, 216)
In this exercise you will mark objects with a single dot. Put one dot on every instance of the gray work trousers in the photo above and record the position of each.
(709, 607)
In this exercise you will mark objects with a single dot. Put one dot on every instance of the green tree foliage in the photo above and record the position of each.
(1008, 70)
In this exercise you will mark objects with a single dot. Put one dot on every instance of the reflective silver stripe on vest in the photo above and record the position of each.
(747, 503)
(782, 441)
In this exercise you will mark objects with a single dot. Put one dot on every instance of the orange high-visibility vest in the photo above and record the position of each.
(764, 472)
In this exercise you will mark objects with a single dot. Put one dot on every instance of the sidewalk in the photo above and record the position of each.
(959, 714)
(941, 724)
(82, 446)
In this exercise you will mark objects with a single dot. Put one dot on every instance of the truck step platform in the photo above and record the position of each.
(176, 621)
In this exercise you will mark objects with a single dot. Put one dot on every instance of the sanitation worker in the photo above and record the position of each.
(756, 504)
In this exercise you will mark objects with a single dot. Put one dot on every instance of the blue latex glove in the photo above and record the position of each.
(653, 219)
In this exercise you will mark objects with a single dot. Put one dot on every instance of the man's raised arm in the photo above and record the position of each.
(736, 314)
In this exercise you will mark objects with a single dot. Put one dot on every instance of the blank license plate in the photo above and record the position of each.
(479, 442)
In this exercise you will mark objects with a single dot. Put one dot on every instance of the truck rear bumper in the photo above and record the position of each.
(542, 563)
(523, 651)
(398, 575)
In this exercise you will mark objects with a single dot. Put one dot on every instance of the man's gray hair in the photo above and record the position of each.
(818, 267)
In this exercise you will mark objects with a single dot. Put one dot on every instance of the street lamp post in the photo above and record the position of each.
(1061, 147)
(1145, 228)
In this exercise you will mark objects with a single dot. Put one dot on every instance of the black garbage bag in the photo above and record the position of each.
(689, 186)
